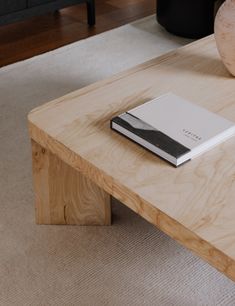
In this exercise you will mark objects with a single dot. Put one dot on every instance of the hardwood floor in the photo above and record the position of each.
(37, 35)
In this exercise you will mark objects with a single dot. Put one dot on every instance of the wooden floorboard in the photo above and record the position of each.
(37, 35)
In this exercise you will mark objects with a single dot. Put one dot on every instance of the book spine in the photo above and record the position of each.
(151, 135)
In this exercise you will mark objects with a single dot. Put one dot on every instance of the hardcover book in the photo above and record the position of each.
(173, 128)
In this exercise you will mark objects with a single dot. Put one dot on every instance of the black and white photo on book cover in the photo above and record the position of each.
(173, 128)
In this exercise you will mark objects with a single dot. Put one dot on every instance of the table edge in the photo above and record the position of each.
(173, 228)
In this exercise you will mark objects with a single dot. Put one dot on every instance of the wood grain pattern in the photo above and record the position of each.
(194, 204)
(63, 195)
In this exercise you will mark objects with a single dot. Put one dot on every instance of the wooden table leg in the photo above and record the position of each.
(63, 195)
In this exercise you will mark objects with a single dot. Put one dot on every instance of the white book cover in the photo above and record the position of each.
(174, 128)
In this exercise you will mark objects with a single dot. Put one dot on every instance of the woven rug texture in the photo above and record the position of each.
(129, 263)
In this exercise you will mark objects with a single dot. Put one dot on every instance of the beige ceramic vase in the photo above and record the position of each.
(225, 34)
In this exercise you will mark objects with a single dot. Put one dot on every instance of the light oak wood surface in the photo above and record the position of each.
(195, 203)
(63, 195)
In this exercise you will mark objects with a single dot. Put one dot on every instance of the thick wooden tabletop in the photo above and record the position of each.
(195, 203)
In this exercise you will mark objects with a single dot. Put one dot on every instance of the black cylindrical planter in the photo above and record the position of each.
(188, 18)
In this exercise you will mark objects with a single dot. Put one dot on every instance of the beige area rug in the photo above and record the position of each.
(131, 262)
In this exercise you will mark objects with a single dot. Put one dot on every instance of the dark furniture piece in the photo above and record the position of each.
(188, 18)
(15, 10)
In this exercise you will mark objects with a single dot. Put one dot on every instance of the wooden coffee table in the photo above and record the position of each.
(78, 161)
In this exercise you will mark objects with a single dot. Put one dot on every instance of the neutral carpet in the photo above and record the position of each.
(129, 263)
